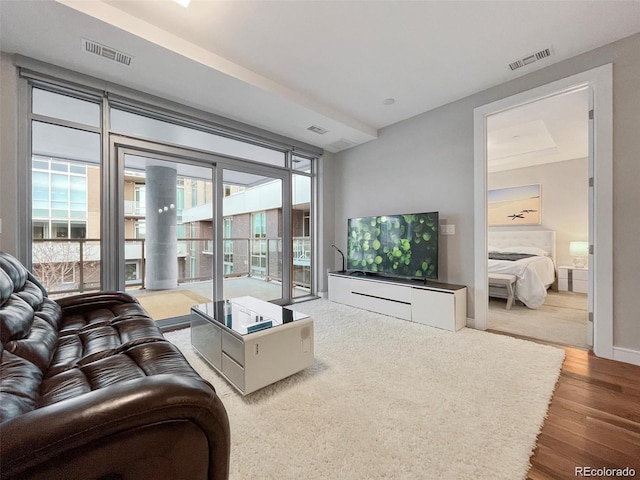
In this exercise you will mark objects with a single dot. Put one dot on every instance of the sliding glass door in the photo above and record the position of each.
(166, 230)
(254, 223)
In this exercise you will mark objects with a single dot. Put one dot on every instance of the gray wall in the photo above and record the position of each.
(415, 166)
(565, 200)
(327, 256)
(427, 162)
(8, 152)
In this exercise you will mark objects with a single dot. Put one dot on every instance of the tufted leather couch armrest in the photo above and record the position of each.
(90, 300)
(162, 426)
(89, 308)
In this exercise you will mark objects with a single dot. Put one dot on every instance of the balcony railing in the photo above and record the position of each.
(134, 208)
(302, 251)
(73, 265)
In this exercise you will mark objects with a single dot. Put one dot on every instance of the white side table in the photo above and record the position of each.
(572, 279)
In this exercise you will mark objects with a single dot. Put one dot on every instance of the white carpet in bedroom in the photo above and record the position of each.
(561, 319)
(390, 399)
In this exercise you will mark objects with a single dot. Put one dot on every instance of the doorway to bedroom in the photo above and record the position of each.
(538, 219)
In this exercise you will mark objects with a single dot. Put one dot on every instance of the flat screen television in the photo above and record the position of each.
(394, 245)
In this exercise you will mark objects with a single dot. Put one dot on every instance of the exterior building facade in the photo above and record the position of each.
(66, 229)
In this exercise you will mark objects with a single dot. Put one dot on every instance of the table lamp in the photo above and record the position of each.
(579, 250)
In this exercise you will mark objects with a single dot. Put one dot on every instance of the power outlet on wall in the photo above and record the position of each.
(448, 229)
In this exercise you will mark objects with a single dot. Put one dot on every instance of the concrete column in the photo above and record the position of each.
(161, 220)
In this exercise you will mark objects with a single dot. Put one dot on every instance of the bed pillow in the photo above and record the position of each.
(527, 250)
(491, 248)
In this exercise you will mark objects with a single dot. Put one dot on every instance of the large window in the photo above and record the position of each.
(258, 245)
(65, 192)
(76, 194)
(166, 132)
(59, 190)
(140, 200)
(302, 221)
(228, 245)
(258, 224)
(65, 108)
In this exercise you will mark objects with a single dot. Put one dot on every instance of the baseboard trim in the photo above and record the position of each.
(626, 355)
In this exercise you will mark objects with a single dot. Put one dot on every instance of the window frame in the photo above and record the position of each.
(94, 91)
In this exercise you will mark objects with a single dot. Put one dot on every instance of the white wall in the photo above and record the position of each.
(565, 200)
(427, 162)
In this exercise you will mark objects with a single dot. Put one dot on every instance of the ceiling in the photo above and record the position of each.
(284, 66)
(553, 129)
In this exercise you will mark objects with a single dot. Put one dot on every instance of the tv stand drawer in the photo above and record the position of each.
(380, 305)
(381, 290)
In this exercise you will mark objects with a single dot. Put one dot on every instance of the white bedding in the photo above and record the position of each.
(534, 276)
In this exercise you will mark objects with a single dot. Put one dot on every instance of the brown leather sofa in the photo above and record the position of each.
(90, 389)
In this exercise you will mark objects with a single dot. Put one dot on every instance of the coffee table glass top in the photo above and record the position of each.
(246, 315)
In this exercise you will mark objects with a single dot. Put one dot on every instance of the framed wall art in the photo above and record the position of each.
(514, 206)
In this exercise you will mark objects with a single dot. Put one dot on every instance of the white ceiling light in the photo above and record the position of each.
(184, 3)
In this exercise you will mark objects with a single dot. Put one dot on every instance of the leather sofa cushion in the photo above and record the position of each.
(15, 270)
(31, 294)
(100, 340)
(6, 287)
(37, 346)
(137, 362)
(16, 317)
(18, 313)
(21, 298)
(77, 319)
(51, 312)
(19, 384)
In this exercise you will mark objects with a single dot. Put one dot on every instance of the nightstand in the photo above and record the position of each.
(572, 279)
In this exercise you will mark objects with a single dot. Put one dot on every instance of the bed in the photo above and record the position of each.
(527, 257)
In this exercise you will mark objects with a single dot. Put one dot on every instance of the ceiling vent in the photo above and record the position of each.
(106, 52)
(534, 57)
(341, 144)
(317, 129)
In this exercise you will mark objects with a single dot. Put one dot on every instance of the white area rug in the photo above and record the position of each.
(390, 399)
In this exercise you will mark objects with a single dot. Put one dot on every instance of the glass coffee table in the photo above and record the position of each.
(250, 342)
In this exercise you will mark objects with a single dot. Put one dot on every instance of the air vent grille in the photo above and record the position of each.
(341, 144)
(529, 59)
(543, 53)
(106, 52)
(317, 129)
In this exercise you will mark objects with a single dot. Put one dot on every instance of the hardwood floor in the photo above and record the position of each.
(593, 420)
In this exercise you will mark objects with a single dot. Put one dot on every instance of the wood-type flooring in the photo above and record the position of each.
(593, 421)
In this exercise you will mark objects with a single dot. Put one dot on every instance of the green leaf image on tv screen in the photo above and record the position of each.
(398, 245)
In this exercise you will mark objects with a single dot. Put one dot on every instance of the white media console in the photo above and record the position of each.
(435, 304)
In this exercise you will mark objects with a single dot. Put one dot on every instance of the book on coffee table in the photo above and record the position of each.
(259, 324)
